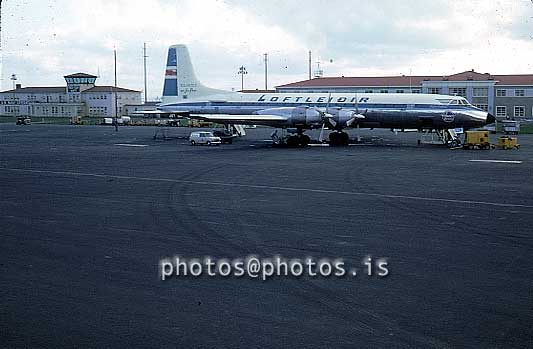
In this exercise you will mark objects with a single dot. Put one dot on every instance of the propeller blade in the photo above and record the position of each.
(321, 137)
(354, 117)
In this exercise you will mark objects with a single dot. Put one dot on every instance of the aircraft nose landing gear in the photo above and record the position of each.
(338, 138)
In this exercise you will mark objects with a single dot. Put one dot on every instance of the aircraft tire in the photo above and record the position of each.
(293, 141)
(333, 138)
(305, 140)
(344, 138)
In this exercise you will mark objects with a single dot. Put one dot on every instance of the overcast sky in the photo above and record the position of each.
(44, 40)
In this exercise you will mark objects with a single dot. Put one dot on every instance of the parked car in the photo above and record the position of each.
(23, 120)
(123, 120)
(204, 137)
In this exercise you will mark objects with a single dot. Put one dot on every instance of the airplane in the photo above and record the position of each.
(185, 96)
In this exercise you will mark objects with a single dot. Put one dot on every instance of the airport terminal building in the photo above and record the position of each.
(80, 97)
(505, 96)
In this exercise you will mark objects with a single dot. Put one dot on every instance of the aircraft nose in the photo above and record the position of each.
(490, 119)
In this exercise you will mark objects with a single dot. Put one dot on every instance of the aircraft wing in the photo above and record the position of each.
(251, 119)
(160, 113)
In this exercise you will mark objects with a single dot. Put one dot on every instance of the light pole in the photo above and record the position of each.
(145, 88)
(115, 93)
(266, 70)
(1, 55)
(14, 79)
(242, 72)
(309, 64)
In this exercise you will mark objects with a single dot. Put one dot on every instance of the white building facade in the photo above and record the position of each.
(81, 97)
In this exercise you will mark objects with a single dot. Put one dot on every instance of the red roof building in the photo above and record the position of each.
(509, 96)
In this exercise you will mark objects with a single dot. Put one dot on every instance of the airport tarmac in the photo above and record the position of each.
(86, 214)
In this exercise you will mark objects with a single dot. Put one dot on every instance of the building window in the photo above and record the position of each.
(416, 90)
(399, 91)
(519, 93)
(12, 110)
(480, 92)
(501, 111)
(384, 91)
(369, 91)
(434, 90)
(501, 93)
(484, 107)
(519, 111)
(458, 91)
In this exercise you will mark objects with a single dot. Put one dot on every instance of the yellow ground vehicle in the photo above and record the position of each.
(199, 123)
(477, 139)
(506, 142)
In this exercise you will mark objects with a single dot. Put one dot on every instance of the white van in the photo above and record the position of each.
(204, 137)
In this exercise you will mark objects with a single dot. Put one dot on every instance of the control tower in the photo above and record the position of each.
(76, 84)
(79, 82)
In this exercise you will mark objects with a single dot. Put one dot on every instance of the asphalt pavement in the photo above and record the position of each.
(87, 215)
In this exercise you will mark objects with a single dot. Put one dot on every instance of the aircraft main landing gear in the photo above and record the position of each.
(338, 138)
(296, 140)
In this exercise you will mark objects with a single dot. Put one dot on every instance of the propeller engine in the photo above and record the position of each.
(339, 118)
(306, 117)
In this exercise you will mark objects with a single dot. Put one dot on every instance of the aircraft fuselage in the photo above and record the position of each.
(420, 111)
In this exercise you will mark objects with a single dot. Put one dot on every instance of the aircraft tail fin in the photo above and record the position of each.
(180, 81)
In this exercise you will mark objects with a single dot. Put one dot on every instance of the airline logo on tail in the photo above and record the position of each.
(180, 81)
(171, 74)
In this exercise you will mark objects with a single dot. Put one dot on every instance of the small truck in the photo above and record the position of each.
(477, 140)
(506, 142)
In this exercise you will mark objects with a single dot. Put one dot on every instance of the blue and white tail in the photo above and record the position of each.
(180, 81)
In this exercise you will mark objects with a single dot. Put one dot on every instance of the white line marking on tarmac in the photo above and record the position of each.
(131, 145)
(499, 161)
(268, 187)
